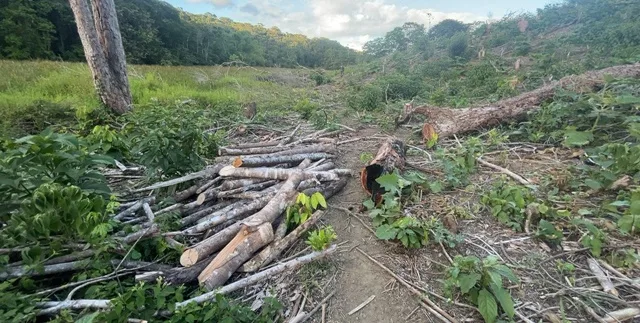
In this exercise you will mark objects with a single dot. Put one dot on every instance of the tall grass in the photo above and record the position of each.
(59, 92)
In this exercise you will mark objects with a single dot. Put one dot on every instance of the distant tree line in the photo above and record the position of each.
(154, 32)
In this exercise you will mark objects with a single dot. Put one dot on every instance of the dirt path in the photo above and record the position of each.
(358, 279)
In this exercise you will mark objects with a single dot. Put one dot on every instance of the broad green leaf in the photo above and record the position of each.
(435, 187)
(634, 208)
(321, 200)
(390, 183)
(506, 272)
(593, 184)
(496, 278)
(575, 138)
(629, 222)
(619, 203)
(504, 298)
(487, 306)
(467, 281)
(386, 232)
(369, 204)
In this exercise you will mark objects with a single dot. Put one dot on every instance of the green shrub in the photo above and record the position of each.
(458, 45)
(306, 108)
(398, 87)
(369, 98)
(320, 77)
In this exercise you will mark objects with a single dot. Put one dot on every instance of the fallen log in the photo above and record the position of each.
(275, 207)
(254, 187)
(390, 156)
(22, 271)
(273, 250)
(328, 189)
(240, 249)
(448, 122)
(282, 173)
(272, 160)
(134, 208)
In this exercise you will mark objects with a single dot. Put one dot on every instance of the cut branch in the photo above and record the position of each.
(206, 173)
(240, 249)
(276, 160)
(272, 251)
(282, 173)
(275, 207)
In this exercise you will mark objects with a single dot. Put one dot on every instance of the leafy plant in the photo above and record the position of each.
(303, 208)
(481, 281)
(321, 239)
(594, 239)
(29, 162)
(630, 220)
(508, 203)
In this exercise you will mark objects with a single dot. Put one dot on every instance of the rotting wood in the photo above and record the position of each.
(233, 256)
(448, 122)
(390, 157)
(186, 194)
(273, 250)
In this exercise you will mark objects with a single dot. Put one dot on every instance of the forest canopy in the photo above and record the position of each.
(156, 33)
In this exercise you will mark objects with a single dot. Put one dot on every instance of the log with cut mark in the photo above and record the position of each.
(272, 210)
(235, 254)
(273, 250)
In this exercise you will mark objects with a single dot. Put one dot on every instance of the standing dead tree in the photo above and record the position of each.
(100, 35)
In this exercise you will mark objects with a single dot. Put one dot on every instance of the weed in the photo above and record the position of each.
(508, 203)
(482, 282)
(321, 239)
(303, 208)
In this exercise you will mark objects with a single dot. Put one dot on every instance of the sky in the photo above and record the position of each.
(353, 22)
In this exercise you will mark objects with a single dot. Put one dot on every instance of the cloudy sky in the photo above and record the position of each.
(353, 22)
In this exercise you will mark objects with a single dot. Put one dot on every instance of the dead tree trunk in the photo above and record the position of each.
(390, 156)
(448, 122)
(102, 43)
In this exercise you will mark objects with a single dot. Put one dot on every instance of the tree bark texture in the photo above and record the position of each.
(390, 156)
(102, 43)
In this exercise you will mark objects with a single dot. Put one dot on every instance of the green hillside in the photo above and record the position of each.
(156, 33)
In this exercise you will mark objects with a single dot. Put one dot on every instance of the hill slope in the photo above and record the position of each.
(155, 33)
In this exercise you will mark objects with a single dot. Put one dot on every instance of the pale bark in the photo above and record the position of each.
(208, 172)
(229, 214)
(102, 43)
(194, 217)
(282, 173)
(273, 160)
(234, 255)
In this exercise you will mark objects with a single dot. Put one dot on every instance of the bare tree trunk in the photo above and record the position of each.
(103, 49)
(448, 122)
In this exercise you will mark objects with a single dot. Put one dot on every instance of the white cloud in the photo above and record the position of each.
(350, 22)
(215, 3)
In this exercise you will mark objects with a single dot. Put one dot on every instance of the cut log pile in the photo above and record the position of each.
(231, 216)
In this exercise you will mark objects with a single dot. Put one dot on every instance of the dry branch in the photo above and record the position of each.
(448, 122)
(234, 255)
(193, 217)
(604, 281)
(229, 213)
(505, 171)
